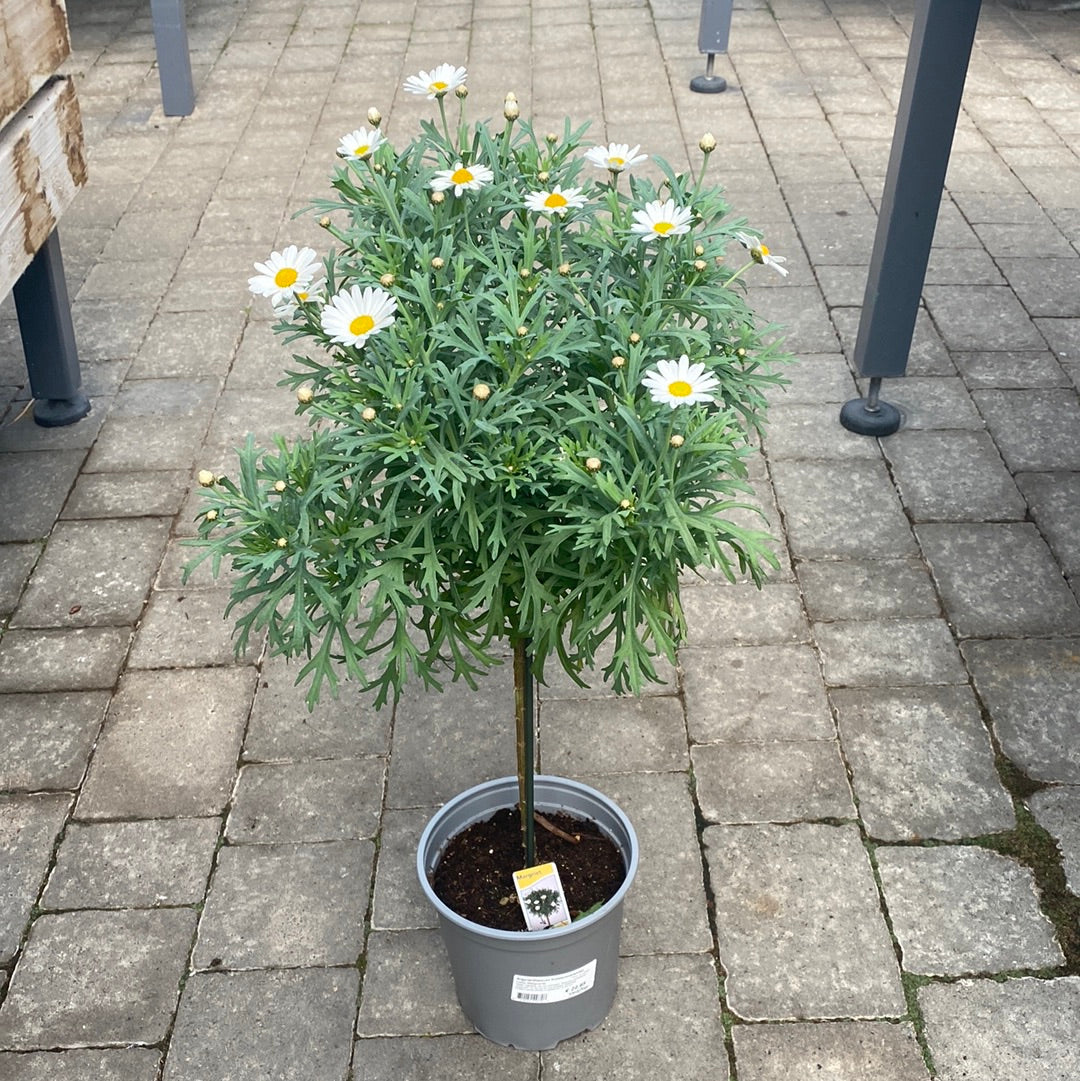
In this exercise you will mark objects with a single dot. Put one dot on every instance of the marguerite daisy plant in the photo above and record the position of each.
(526, 426)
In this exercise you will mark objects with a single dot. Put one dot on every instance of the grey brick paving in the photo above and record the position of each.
(958, 910)
(129, 752)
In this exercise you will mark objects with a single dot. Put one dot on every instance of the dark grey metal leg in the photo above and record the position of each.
(173, 57)
(938, 57)
(48, 337)
(714, 30)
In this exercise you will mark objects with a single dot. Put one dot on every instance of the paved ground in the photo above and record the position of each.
(859, 801)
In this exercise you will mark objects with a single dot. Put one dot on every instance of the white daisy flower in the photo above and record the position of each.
(284, 273)
(557, 201)
(761, 254)
(659, 220)
(462, 178)
(678, 382)
(287, 306)
(436, 83)
(615, 157)
(361, 143)
(354, 314)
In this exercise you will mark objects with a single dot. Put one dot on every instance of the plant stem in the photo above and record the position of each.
(525, 720)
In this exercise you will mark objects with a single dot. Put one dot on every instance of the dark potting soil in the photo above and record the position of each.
(475, 875)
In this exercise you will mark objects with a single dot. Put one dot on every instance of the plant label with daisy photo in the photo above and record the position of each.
(540, 894)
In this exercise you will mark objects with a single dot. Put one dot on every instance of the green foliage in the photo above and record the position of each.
(423, 519)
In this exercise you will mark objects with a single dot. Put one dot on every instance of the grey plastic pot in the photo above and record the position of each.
(531, 989)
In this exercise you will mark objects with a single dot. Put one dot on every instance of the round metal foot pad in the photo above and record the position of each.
(708, 84)
(57, 412)
(883, 420)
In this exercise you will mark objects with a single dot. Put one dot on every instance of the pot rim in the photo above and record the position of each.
(577, 926)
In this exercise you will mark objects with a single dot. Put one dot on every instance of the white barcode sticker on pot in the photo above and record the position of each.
(554, 988)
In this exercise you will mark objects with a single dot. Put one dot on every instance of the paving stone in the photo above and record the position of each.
(1031, 690)
(439, 1058)
(1010, 371)
(119, 495)
(82, 659)
(238, 1025)
(755, 693)
(612, 735)
(836, 1051)
(1054, 499)
(823, 377)
(800, 929)
(1057, 810)
(867, 589)
(665, 1022)
(408, 987)
(932, 402)
(97, 978)
(29, 826)
(824, 520)
(93, 573)
(742, 613)
(399, 903)
(1003, 1031)
(799, 431)
(431, 761)
(187, 628)
(145, 864)
(48, 738)
(959, 910)
(1035, 430)
(999, 579)
(168, 350)
(662, 813)
(286, 905)
(771, 782)
(557, 683)
(33, 488)
(1044, 285)
(307, 801)
(128, 1064)
(888, 653)
(953, 476)
(169, 745)
(282, 728)
(922, 763)
(981, 317)
(16, 563)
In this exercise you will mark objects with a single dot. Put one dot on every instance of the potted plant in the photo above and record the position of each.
(534, 387)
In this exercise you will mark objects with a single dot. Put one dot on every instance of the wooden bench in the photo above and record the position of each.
(42, 167)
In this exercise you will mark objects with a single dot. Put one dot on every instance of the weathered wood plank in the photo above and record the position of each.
(41, 169)
(33, 44)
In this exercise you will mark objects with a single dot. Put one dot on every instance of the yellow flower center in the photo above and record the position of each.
(360, 151)
(617, 162)
(680, 389)
(663, 227)
(438, 87)
(361, 325)
(555, 200)
(285, 277)
(461, 176)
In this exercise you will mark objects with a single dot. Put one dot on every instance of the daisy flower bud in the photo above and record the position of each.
(543, 176)
(481, 392)
(618, 362)
(522, 331)
(282, 542)
(206, 478)
(699, 249)
(592, 464)
(304, 395)
(368, 413)
(374, 117)
(461, 91)
(211, 515)
(511, 109)
(700, 264)
(438, 263)
(624, 504)
(386, 281)
(523, 273)
(551, 137)
(564, 268)
(676, 440)
(437, 197)
(324, 222)
(707, 143)
(635, 338)
(279, 486)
